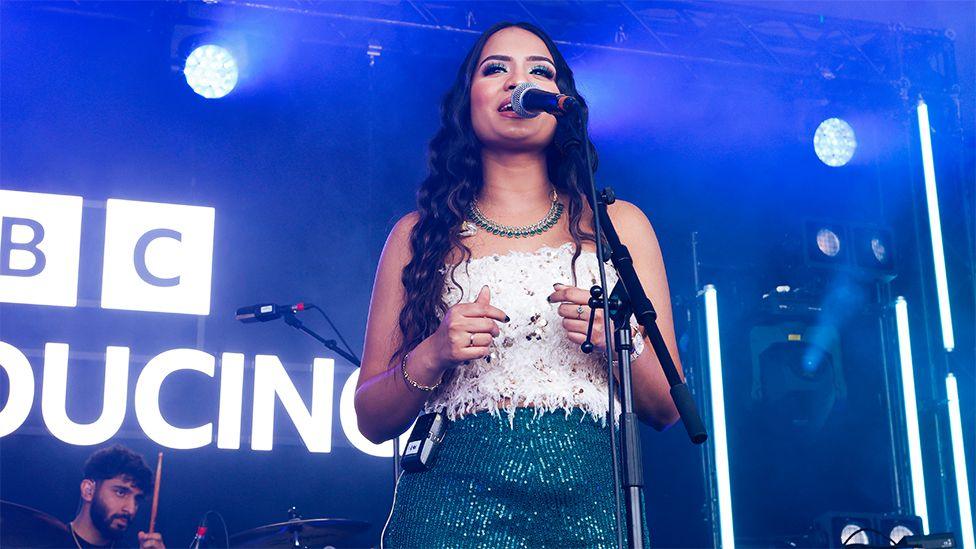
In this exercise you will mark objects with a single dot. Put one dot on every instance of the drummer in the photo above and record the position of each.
(115, 484)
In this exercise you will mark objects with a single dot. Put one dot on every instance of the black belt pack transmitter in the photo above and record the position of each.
(425, 439)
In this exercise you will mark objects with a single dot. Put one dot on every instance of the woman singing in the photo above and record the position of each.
(479, 309)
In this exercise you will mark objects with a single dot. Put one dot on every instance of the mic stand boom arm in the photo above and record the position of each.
(292, 320)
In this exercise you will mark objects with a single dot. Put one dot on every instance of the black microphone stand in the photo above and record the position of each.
(627, 298)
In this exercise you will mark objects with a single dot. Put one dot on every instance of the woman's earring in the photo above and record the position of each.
(467, 229)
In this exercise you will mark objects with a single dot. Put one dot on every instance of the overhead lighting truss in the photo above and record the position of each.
(696, 35)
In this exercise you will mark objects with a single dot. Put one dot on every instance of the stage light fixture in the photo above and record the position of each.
(874, 251)
(845, 529)
(959, 462)
(834, 530)
(719, 435)
(211, 71)
(834, 142)
(853, 534)
(911, 412)
(797, 376)
(899, 532)
(897, 526)
(935, 226)
(826, 243)
(879, 250)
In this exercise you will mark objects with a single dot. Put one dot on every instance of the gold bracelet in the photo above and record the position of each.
(412, 383)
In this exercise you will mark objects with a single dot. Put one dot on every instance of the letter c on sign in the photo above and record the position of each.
(147, 398)
(139, 257)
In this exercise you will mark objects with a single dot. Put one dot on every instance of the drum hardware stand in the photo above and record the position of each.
(293, 516)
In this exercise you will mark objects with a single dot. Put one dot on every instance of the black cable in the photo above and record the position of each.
(223, 523)
(867, 529)
(334, 329)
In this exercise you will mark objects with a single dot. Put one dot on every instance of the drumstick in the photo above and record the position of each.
(155, 504)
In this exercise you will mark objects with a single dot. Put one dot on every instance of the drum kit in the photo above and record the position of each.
(21, 526)
(299, 532)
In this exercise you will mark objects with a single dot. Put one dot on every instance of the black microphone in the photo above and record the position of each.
(528, 101)
(264, 312)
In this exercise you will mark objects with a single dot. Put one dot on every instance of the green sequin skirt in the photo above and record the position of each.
(546, 482)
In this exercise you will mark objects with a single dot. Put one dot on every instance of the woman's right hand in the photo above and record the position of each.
(466, 332)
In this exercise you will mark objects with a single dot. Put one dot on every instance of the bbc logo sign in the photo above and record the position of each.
(157, 257)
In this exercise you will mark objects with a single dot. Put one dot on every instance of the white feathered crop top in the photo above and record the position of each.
(533, 363)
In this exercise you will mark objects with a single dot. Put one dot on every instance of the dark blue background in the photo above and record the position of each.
(314, 157)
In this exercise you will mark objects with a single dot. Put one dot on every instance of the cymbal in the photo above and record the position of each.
(311, 533)
(21, 526)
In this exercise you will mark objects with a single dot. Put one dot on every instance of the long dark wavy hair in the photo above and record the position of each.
(455, 179)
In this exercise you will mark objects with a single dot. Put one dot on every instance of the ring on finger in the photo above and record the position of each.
(471, 341)
(579, 312)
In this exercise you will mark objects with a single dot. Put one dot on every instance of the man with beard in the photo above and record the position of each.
(116, 482)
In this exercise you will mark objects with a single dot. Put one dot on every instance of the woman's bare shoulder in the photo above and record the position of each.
(403, 226)
(630, 220)
(397, 249)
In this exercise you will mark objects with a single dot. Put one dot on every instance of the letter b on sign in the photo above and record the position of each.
(158, 257)
(40, 240)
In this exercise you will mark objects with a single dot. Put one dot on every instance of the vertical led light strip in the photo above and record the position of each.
(959, 460)
(911, 412)
(935, 226)
(720, 442)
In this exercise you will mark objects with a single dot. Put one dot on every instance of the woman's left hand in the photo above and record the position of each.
(572, 306)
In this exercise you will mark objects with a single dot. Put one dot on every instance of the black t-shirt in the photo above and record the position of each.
(85, 544)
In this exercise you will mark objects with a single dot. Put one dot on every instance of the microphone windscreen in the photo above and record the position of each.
(518, 94)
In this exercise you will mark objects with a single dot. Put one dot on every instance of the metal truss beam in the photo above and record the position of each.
(698, 36)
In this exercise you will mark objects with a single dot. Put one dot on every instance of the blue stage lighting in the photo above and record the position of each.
(912, 430)
(719, 436)
(211, 71)
(834, 142)
(959, 460)
(878, 248)
(935, 227)
(828, 242)
(854, 533)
